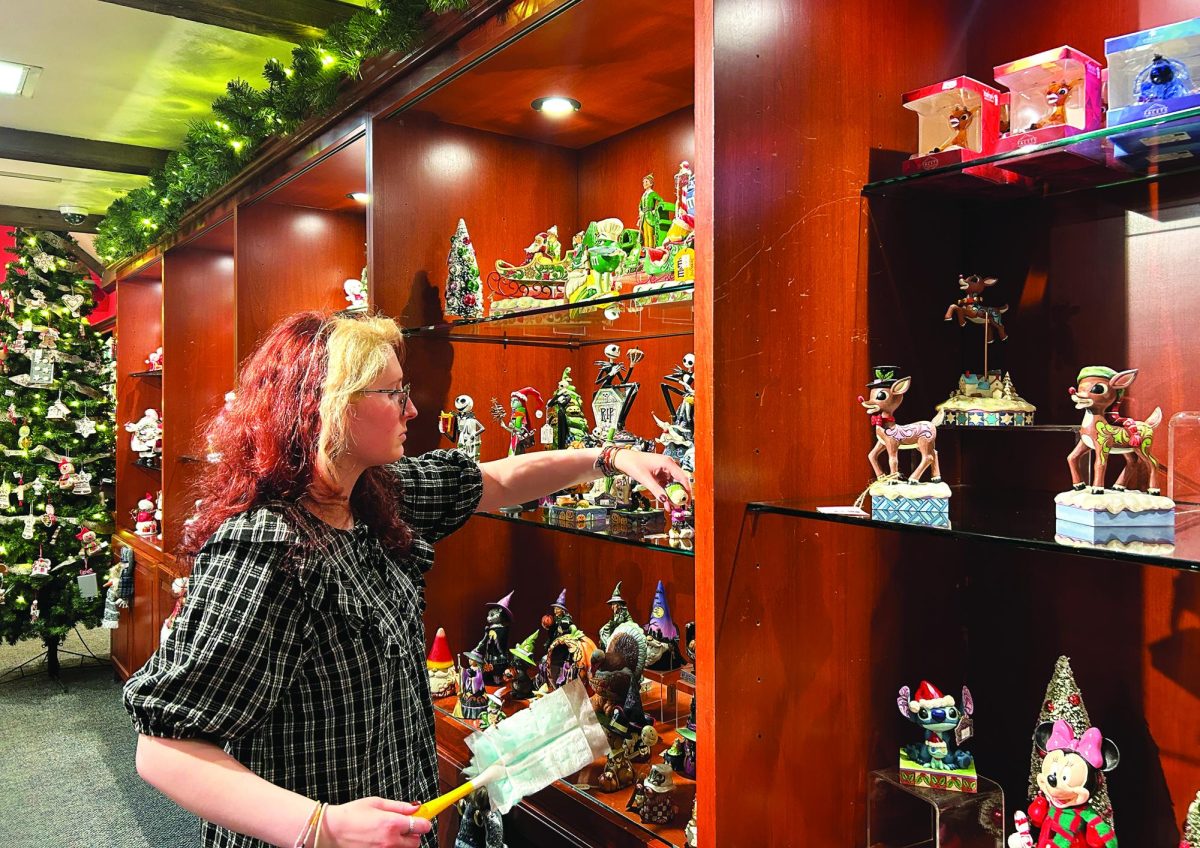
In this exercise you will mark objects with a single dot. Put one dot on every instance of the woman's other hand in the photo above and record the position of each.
(373, 823)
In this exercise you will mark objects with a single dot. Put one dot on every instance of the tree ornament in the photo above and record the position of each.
(48, 338)
(44, 262)
(6, 491)
(83, 484)
(34, 612)
(24, 440)
(18, 344)
(38, 485)
(3, 589)
(66, 473)
(41, 370)
(1191, 825)
(41, 565)
(49, 518)
(1064, 701)
(73, 302)
(58, 410)
(85, 426)
(36, 300)
(30, 523)
(464, 291)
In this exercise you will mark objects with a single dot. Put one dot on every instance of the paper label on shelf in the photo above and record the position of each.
(547, 434)
(1165, 138)
(843, 510)
(1156, 158)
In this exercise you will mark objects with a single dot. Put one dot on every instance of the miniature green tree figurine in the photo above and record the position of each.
(464, 291)
(56, 445)
(1064, 701)
(1191, 825)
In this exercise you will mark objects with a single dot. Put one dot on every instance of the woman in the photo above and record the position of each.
(294, 678)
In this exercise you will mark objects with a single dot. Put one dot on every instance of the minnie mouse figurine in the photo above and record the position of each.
(1071, 772)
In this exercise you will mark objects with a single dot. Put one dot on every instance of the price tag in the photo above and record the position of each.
(843, 510)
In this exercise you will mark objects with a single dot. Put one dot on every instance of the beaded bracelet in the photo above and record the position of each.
(309, 826)
(606, 462)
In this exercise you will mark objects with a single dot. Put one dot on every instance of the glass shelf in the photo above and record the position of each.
(150, 464)
(580, 785)
(1032, 428)
(1093, 165)
(155, 373)
(664, 313)
(657, 541)
(1023, 519)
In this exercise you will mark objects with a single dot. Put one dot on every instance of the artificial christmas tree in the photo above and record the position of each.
(1191, 825)
(464, 291)
(1064, 701)
(56, 439)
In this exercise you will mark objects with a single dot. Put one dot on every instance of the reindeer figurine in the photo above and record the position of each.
(960, 119)
(1099, 391)
(971, 308)
(1057, 94)
(886, 395)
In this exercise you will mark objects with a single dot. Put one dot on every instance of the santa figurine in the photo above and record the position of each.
(356, 294)
(147, 434)
(87, 540)
(143, 520)
(66, 473)
(155, 360)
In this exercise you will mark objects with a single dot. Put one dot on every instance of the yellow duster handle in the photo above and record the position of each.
(432, 808)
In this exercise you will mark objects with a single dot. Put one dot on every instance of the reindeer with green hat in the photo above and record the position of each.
(1098, 393)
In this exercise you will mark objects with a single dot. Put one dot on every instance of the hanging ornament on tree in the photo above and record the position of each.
(18, 344)
(1064, 702)
(38, 485)
(41, 370)
(6, 491)
(66, 473)
(48, 338)
(58, 410)
(464, 291)
(85, 426)
(20, 478)
(73, 302)
(24, 440)
(41, 565)
(49, 517)
(13, 418)
(36, 300)
(34, 612)
(83, 483)
(30, 522)
(88, 543)
(44, 262)
(3, 589)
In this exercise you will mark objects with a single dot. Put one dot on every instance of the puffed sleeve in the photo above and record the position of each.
(438, 492)
(236, 645)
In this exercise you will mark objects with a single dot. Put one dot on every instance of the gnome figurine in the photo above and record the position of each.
(493, 647)
(662, 636)
(443, 676)
(520, 675)
(620, 615)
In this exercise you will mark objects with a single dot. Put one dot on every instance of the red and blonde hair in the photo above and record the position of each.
(291, 405)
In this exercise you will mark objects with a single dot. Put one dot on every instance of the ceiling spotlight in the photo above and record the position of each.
(556, 107)
(17, 80)
(359, 196)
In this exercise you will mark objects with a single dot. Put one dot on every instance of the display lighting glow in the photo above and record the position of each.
(16, 80)
(359, 196)
(556, 106)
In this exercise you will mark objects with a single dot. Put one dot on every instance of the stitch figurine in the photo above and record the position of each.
(1162, 79)
(1105, 432)
(1070, 774)
(886, 395)
(938, 762)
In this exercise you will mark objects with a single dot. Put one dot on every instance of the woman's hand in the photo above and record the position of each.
(654, 471)
(373, 823)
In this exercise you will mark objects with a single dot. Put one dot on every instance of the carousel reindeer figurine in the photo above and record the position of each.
(970, 307)
(1057, 94)
(1098, 395)
(886, 393)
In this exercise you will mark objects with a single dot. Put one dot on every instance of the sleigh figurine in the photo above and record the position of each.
(1123, 513)
(908, 501)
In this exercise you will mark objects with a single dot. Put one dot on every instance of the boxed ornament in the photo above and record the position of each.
(1052, 95)
(1155, 73)
(958, 120)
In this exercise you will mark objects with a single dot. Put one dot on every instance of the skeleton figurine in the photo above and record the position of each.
(615, 393)
(462, 427)
(520, 427)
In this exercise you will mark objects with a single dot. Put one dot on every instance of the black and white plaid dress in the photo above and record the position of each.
(310, 670)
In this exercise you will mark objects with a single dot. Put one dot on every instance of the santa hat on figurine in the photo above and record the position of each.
(929, 696)
(503, 604)
(439, 654)
(661, 625)
(532, 399)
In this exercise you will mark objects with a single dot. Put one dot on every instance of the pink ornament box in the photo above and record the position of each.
(1052, 95)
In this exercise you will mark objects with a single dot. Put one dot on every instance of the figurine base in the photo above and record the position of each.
(577, 516)
(924, 504)
(631, 520)
(1153, 541)
(956, 780)
(1114, 509)
(900, 815)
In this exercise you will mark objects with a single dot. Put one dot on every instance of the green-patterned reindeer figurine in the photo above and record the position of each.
(1097, 395)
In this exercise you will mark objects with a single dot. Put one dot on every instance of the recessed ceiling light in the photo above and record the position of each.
(359, 196)
(556, 106)
(18, 80)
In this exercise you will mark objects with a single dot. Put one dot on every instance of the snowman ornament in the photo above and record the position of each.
(143, 519)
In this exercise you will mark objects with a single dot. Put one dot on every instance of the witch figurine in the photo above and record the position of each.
(521, 674)
(472, 695)
(620, 615)
(662, 636)
(493, 647)
(559, 622)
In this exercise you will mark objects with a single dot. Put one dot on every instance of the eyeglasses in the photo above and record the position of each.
(400, 395)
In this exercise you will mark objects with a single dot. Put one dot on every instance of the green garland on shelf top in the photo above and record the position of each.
(214, 151)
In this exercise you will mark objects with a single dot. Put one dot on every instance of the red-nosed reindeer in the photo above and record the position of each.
(886, 395)
(960, 119)
(971, 308)
(1100, 388)
(1057, 94)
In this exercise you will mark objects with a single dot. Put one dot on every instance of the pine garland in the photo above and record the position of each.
(214, 151)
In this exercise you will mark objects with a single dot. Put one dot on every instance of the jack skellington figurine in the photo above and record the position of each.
(615, 394)
(677, 434)
(462, 427)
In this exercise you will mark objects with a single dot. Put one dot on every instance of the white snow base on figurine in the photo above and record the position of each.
(1114, 509)
(925, 504)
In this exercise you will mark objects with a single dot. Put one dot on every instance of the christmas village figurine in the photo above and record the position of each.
(146, 440)
(464, 291)
(493, 647)
(462, 427)
(653, 798)
(937, 762)
(144, 523)
(1120, 515)
(568, 425)
(523, 403)
(521, 674)
(538, 281)
(439, 665)
(892, 499)
(1070, 774)
(615, 394)
(662, 636)
(987, 399)
(472, 696)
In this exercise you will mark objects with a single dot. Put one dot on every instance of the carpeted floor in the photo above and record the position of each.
(67, 778)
